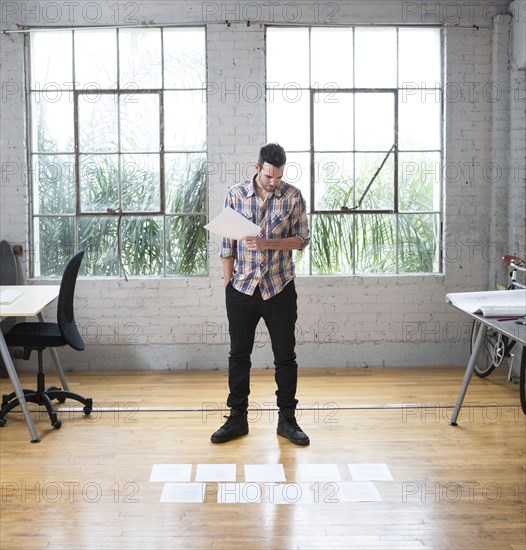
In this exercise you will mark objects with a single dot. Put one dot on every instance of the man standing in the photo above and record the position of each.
(259, 283)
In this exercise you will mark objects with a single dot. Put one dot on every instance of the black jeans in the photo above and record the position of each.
(279, 313)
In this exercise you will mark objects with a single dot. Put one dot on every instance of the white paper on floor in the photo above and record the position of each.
(264, 472)
(318, 472)
(171, 472)
(183, 492)
(215, 472)
(290, 493)
(238, 493)
(357, 491)
(370, 472)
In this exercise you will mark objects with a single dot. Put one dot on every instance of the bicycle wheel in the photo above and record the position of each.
(522, 380)
(491, 353)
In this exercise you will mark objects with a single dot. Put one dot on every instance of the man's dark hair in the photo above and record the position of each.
(273, 154)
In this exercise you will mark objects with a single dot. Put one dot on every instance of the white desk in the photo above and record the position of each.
(33, 300)
(510, 329)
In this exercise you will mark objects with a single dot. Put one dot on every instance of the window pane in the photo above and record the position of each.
(331, 57)
(139, 123)
(419, 126)
(419, 53)
(288, 119)
(185, 176)
(142, 249)
(331, 243)
(140, 183)
(287, 57)
(353, 134)
(140, 58)
(374, 121)
(120, 127)
(98, 123)
(302, 261)
(54, 184)
(376, 243)
(99, 183)
(52, 122)
(96, 59)
(375, 57)
(380, 195)
(185, 121)
(297, 173)
(333, 178)
(51, 60)
(333, 121)
(98, 237)
(55, 244)
(418, 243)
(186, 245)
(419, 181)
(184, 58)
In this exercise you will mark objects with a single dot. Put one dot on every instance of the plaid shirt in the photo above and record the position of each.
(282, 214)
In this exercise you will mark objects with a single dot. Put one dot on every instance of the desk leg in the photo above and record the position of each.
(56, 361)
(469, 372)
(18, 389)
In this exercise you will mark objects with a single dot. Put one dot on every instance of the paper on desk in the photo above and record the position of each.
(233, 225)
(491, 303)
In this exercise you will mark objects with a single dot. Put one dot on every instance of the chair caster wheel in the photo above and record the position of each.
(87, 410)
(61, 400)
(3, 422)
(57, 425)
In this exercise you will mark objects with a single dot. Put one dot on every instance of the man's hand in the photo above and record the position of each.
(257, 243)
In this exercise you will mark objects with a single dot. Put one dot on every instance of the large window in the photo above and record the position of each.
(118, 150)
(359, 112)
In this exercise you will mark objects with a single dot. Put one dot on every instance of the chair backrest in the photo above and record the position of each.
(8, 276)
(8, 268)
(65, 314)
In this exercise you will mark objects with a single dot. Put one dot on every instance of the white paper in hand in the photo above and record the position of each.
(233, 225)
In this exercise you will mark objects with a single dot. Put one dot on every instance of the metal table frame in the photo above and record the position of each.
(511, 329)
(34, 299)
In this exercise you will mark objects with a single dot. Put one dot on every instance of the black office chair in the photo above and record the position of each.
(39, 336)
(8, 276)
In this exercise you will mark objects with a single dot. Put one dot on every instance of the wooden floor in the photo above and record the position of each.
(88, 484)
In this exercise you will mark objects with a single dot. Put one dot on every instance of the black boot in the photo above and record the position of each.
(288, 427)
(235, 426)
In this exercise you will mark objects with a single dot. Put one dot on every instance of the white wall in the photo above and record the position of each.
(508, 187)
(180, 323)
(517, 159)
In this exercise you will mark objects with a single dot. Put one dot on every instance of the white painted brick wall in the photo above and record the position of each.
(517, 174)
(180, 323)
(13, 162)
(500, 138)
(468, 148)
